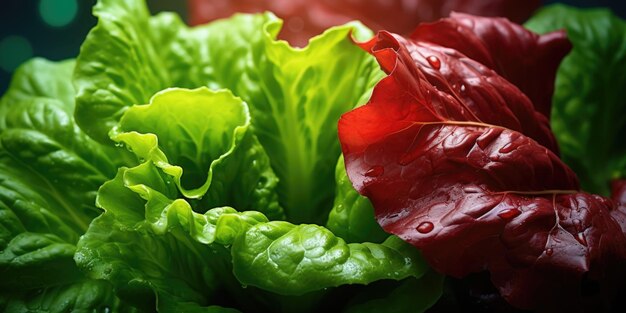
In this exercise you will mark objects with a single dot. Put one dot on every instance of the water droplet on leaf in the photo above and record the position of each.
(549, 251)
(472, 190)
(425, 227)
(507, 148)
(375, 171)
(509, 213)
(581, 238)
(434, 62)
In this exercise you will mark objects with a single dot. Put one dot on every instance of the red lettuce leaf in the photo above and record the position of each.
(457, 161)
(433, 82)
(305, 19)
(511, 50)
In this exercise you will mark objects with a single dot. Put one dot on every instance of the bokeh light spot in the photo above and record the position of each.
(58, 13)
(13, 51)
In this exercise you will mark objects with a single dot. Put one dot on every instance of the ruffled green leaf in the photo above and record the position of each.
(129, 56)
(295, 95)
(157, 251)
(155, 247)
(589, 115)
(152, 272)
(295, 259)
(202, 139)
(301, 95)
(198, 152)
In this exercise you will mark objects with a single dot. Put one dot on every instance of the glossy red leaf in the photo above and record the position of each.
(522, 57)
(305, 19)
(453, 86)
(470, 176)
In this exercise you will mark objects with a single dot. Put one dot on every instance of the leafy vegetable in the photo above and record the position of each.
(208, 135)
(509, 49)
(589, 115)
(154, 247)
(295, 96)
(458, 162)
(49, 173)
(305, 19)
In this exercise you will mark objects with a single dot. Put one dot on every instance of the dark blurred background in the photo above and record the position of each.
(54, 29)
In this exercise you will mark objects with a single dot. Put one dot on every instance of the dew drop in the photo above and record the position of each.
(549, 251)
(509, 213)
(471, 189)
(463, 88)
(425, 227)
(434, 62)
(507, 148)
(581, 238)
(375, 171)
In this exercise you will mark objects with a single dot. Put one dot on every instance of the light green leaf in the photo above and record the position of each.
(352, 216)
(154, 247)
(129, 56)
(150, 243)
(303, 92)
(203, 140)
(152, 272)
(292, 260)
(589, 115)
(295, 95)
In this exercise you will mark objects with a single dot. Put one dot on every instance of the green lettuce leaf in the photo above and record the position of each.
(289, 259)
(203, 140)
(352, 216)
(589, 115)
(295, 95)
(157, 247)
(196, 151)
(84, 296)
(49, 174)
